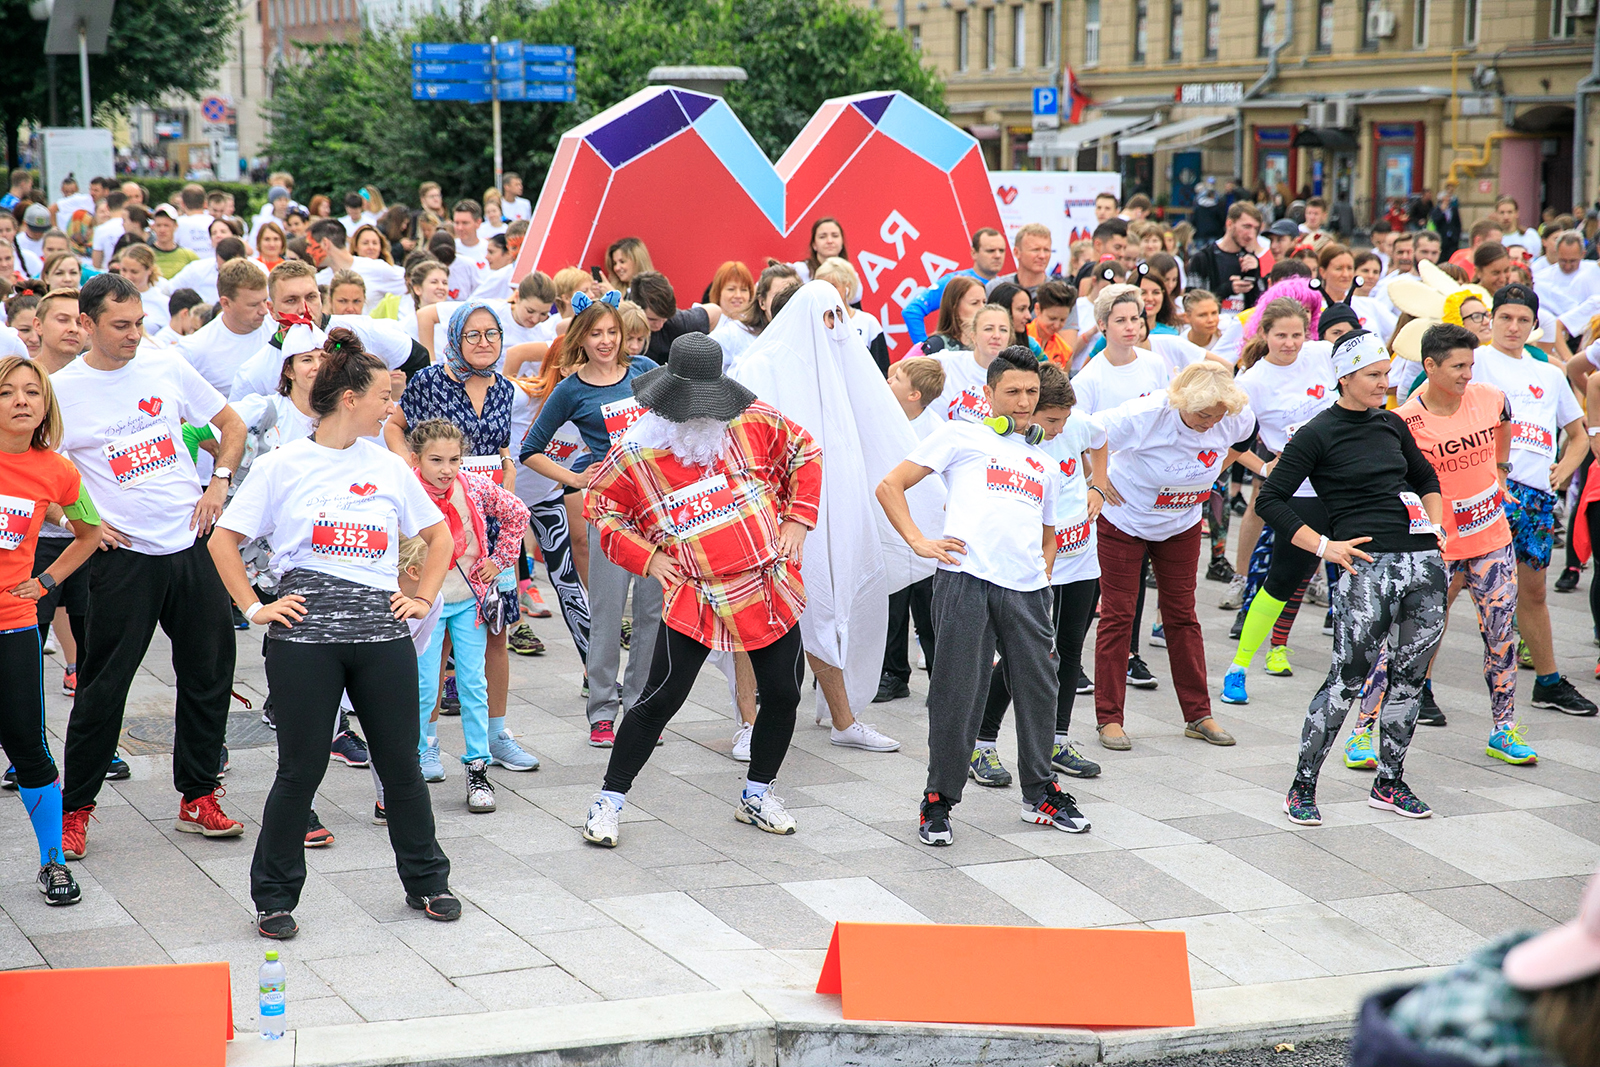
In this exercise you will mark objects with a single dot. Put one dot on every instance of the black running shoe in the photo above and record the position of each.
(935, 828)
(119, 771)
(277, 925)
(9, 779)
(1563, 697)
(1238, 624)
(1428, 711)
(891, 687)
(441, 907)
(58, 885)
(1568, 580)
(1085, 684)
(1220, 570)
(1139, 675)
(267, 718)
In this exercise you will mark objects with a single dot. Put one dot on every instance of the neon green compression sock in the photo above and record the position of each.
(1264, 612)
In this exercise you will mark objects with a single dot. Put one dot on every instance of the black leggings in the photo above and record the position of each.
(1591, 515)
(1292, 566)
(779, 667)
(22, 708)
(306, 680)
(1072, 611)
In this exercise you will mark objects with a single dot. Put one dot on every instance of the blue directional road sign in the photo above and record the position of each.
(465, 72)
(1046, 108)
(467, 92)
(552, 92)
(549, 72)
(547, 53)
(455, 53)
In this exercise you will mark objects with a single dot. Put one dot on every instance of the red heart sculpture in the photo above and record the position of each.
(676, 169)
(1208, 457)
(151, 405)
(1537, 391)
(364, 489)
(1007, 193)
(1318, 391)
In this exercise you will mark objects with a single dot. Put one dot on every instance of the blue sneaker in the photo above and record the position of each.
(1358, 753)
(505, 752)
(1508, 745)
(1233, 690)
(1158, 635)
(432, 766)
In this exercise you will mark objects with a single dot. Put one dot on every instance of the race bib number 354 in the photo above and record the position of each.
(139, 457)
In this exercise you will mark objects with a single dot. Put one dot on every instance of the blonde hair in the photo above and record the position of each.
(840, 274)
(413, 553)
(1111, 296)
(433, 430)
(346, 277)
(993, 309)
(926, 376)
(142, 254)
(569, 280)
(633, 321)
(1032, 229)
(47, 435)
(1202, 385)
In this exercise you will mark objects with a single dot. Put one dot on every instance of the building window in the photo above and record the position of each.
(963, 39)
(1325, 25)
(1419, 24)
(989, 34)
(1267, 27)
(1019, 37)
(1141, 30)
(1213, 27)
(1049, 53)
(1091, 33)
(1469, 24)
(1175, 32)
(1560, 26)
(1369, 43)
(915, 33)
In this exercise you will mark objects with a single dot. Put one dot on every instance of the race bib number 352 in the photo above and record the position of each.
(139, 457)
(346, 536)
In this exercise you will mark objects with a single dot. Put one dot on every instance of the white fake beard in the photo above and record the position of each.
(696, 443)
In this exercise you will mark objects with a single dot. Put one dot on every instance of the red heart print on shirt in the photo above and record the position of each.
(1007, 193)
(1035, 464)
(364, 489)
(1537, 391)
(665, 154)
(151, 405)
(1069, 467)
(1208, 457)
(1317, 391)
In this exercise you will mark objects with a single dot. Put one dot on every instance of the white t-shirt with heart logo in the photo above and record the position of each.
(123, 431)
(1286, 398)
(1163, 469)
(1541, 405)
(337, 511)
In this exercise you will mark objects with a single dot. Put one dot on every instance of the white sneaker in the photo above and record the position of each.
(922, 658)
(601, 824)
(765, 812)
(52, 647)
(741, 742)
(1233, 596)
(863, 735)
(1317, 591)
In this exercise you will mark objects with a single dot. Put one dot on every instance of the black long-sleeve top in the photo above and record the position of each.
(1359, 462)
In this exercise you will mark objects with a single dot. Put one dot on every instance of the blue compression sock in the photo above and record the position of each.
(44, 810)
(1548, 679)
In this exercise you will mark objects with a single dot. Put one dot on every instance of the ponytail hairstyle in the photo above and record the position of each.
(346, 367)
(1283, 307)
(433, 430)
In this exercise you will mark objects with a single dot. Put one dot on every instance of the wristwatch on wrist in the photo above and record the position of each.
(225, 473)
(46, 582)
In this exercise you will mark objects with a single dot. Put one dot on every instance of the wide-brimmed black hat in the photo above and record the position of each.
(692, 385)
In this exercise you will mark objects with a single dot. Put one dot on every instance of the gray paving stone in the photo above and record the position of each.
(1297, 862)
(536, 987)
(767, 915)
(1558, 898)
(405, 986)
(1142, 890)
(1486, 909)
(105, 946)
(617, 964)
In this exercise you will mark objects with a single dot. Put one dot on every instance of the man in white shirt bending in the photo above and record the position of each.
(331, 243)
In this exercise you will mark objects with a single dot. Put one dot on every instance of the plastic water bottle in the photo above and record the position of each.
(273, 980)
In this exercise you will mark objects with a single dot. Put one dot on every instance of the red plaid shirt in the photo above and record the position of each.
(719, 524)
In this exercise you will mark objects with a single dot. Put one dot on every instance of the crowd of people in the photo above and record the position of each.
(359, 433)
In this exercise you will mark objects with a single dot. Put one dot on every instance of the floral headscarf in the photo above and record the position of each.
(453, 356)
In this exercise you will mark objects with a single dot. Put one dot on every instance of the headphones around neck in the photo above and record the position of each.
(1005, 424)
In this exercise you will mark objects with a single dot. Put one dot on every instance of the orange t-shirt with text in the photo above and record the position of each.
(29, 483)
(1462, 450)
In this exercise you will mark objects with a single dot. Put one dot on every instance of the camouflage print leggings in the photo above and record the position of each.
(1396, 599)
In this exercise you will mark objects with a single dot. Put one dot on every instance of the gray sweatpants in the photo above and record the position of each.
(608, 593)
(1397, 598)
(970, 618)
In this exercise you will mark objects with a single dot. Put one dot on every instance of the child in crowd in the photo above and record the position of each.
(469, 597)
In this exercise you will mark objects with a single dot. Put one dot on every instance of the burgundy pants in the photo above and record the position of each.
(1175, 562)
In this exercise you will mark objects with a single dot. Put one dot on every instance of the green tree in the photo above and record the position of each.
(155, 47)
(345, 117)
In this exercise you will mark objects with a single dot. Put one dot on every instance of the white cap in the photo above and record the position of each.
(1356, 350)
(301, 338)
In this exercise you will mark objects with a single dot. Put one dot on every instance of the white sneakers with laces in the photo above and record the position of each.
(741, 742)
(765, 812)
(600, 826)
(864, 736)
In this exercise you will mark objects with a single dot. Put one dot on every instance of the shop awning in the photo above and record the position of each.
(1071, 140)
(1172, 135)
(1329, 137)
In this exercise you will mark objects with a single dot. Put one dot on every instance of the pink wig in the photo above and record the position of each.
(1297, 289)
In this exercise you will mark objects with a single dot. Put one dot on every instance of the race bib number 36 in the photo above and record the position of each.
(16, 515)
(706, 504)
(345, 536)
(1478, 512)
(1418, 518)
(488, 466)
(1180, 498)
(1531, 437)
(139, 457)
(1005, 480)
(619, 415)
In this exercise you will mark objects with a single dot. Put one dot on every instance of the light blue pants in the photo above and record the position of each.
(468, 641)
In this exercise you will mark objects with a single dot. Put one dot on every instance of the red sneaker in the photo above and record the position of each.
(602, 734)
(69, 681)
(75, 832)
(533, 604)
(204, 815)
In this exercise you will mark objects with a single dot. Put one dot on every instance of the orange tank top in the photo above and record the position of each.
(1462, 450)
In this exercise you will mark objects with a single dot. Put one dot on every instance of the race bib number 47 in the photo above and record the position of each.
(1005, 480)
(345, 536)
(139, 457)
(703, 506)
